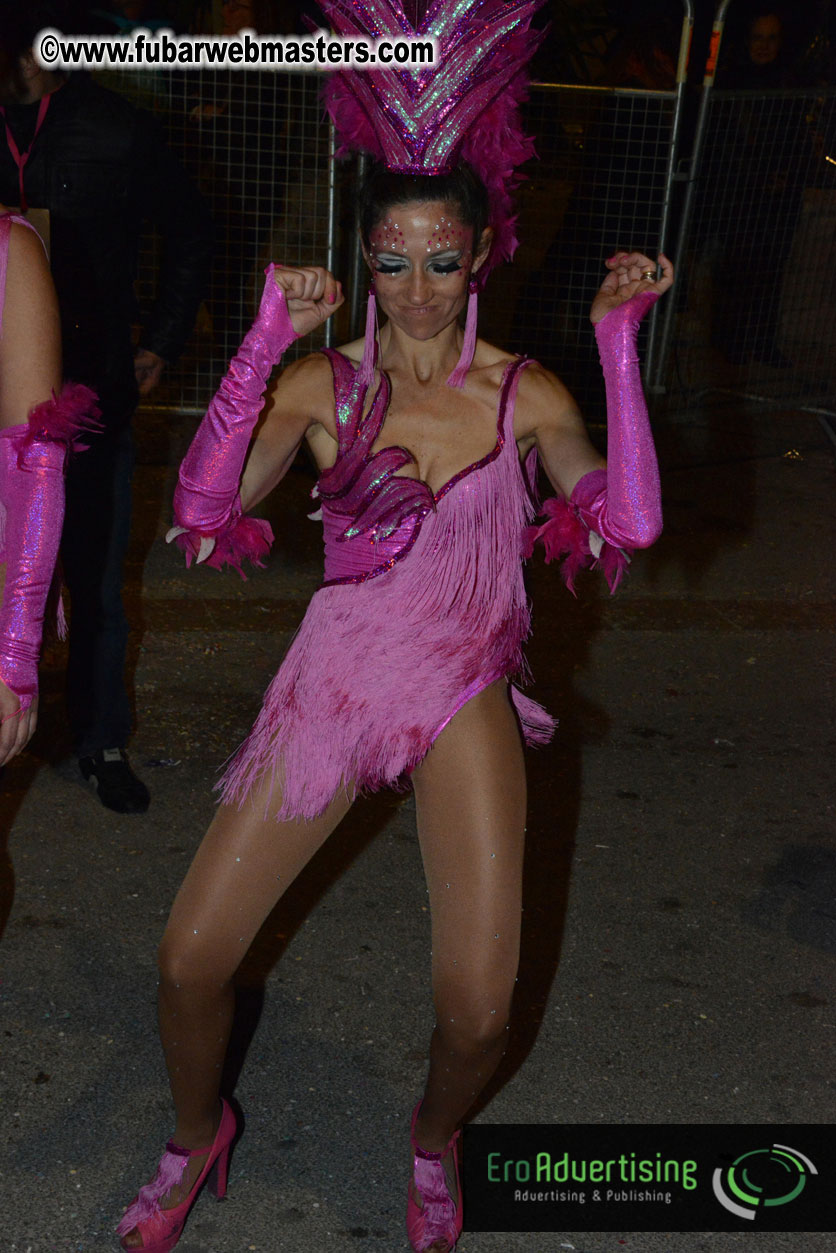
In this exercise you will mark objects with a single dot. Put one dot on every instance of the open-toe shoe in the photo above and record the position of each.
(160, 1228)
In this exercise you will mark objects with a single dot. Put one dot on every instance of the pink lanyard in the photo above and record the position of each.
(21, 159)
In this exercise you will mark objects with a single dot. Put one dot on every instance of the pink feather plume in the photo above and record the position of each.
(565, 535)
(465, 106)
(169, 1173)
(65, 417)
(248, 539)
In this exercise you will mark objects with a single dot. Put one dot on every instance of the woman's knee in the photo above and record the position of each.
(185, 961)
(472, 1031)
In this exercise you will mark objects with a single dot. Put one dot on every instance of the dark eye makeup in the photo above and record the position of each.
(437, 267)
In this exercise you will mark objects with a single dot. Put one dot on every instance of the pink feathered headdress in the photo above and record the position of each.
(464, 107)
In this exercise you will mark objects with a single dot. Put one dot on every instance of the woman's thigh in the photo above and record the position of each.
(471, 803)
(243, 866)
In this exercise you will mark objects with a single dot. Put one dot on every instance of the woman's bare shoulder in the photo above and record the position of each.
(308, 379)
(301, 395)
(353, 351)
(27, 256)
(487, 356)
(544, 405)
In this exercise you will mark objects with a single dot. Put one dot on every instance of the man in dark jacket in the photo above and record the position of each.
(100, 168)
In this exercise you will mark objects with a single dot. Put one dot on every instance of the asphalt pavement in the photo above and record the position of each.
(680, 915)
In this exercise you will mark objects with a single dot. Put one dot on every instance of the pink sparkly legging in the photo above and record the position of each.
(470, 796)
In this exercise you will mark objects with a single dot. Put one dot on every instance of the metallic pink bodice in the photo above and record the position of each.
(371, 515)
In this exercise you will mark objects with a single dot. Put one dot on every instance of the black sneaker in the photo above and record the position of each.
(116, 785)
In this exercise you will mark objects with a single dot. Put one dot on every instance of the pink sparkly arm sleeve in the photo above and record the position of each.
(206, 500)
(624, 503)
(32, 458)
(618, 509)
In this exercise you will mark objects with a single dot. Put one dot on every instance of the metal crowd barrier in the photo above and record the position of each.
(753, 309)
(259, 148)
(755, 314)
(601, 184)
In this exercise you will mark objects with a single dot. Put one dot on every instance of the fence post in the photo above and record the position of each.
(651, 376)
(693, 170)
(331, 237)
(356, 263)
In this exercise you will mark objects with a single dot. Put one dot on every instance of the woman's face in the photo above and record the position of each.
(421, 257)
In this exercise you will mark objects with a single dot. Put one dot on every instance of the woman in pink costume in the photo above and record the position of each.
(427, 440)
(36, 428)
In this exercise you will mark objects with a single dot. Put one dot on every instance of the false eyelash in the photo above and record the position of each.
(448, 267)
(389, 269)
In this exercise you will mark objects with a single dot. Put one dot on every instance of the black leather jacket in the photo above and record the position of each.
(102, 168)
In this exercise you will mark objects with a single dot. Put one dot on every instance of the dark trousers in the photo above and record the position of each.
(97, 525)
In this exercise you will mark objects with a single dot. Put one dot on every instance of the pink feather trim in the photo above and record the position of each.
(169, 1173)
(246, 539)
(65, 417)
(565, 535)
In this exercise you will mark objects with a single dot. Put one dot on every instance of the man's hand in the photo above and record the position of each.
(148, 368)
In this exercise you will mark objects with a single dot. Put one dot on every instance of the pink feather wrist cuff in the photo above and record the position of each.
(567, 538)
(242, 539)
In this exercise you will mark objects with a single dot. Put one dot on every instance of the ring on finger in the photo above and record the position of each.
(650, 275)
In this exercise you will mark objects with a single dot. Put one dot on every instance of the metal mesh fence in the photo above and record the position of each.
(599, 185)
(258, 148)
(756, 303)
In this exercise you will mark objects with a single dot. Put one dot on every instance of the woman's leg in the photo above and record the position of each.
(244, 864)
(471, 800)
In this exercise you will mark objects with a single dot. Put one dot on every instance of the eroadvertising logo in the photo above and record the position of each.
(649, 1178)
(762, 1177)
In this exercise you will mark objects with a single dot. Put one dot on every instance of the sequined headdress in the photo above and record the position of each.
(465, 106)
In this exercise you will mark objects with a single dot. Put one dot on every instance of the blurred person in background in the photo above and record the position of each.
(97, 168)
(752, 218)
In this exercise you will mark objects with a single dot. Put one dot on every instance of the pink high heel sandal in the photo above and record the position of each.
(438, 1218)
(162, 1228)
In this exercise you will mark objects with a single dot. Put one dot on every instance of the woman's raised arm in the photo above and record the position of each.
(209, 524)
(618, 502)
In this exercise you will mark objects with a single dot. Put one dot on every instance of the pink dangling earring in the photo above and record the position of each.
(465, 361)
(366, 372)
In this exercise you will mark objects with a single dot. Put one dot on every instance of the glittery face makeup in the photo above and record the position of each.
(421, 257)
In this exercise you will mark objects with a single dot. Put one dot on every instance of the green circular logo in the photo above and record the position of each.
(762, 1178)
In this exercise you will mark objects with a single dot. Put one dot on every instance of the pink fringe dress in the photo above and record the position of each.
(422, 607)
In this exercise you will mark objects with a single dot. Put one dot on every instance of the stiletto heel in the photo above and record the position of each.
(438, 1217)
(160, 1229)
(216, 1180)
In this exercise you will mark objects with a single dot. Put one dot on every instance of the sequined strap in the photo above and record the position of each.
(366, 489)
(508, 398)
(348, 401)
